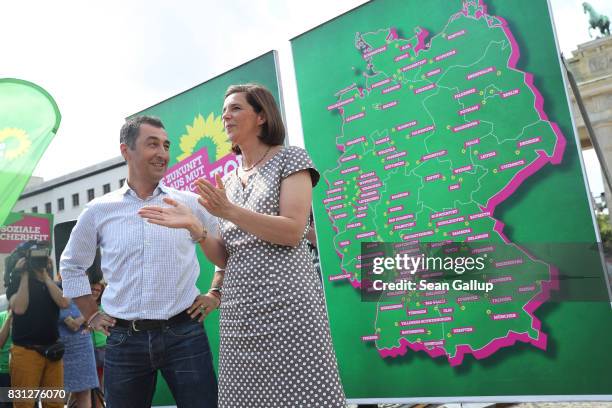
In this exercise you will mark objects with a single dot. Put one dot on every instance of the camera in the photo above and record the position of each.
(36, 254)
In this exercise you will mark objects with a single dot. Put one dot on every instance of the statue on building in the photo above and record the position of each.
(597, 20)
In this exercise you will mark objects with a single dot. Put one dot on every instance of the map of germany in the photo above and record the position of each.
(444, 130)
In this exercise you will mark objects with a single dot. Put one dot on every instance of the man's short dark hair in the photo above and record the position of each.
(129, 130)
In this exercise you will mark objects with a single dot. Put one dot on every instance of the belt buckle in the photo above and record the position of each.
(134, 326)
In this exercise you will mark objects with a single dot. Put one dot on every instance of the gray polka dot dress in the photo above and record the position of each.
(276, 348)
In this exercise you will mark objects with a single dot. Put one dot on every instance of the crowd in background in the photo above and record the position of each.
(82, 359)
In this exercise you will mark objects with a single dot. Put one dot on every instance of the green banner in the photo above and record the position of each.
(449, 137)
(29, 119)
(200, 148)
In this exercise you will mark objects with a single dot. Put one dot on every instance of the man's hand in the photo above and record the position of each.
(101, 322)
(178, 215)
(203, 305)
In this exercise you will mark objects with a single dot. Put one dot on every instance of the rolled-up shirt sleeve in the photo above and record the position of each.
(78, 255)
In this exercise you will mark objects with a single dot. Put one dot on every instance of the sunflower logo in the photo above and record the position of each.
(14, 142)
(210, 128)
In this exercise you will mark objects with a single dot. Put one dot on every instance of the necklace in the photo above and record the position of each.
(258, 161)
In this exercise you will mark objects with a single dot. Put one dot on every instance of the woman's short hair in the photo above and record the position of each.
(273, 130)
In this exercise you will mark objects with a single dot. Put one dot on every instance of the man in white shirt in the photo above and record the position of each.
(152, 307)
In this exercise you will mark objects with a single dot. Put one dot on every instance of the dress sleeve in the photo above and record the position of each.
(297, 159)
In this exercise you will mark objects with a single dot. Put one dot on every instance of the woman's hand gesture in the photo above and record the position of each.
(214, 199)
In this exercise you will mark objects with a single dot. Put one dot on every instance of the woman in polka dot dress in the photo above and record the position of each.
(275, 343)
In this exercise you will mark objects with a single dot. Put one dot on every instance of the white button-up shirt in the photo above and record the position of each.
(151, 270)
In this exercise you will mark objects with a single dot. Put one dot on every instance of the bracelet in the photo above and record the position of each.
(216, 292)
(202, 237)
(93, 316)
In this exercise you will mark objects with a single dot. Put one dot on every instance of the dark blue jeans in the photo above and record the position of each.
(181, 353)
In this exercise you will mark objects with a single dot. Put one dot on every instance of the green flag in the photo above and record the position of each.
(29, 118)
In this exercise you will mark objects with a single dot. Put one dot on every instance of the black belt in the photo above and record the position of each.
(139, 325)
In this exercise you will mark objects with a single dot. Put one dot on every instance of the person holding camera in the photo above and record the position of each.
(35, 299)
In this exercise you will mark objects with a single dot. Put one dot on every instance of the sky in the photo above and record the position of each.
(103, 61)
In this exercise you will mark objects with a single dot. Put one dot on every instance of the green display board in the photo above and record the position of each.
(200, 148)
(446, 124)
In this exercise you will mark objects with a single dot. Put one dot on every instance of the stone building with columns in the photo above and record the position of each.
(591, 65)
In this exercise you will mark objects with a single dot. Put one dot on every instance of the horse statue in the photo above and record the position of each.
(597, 20)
